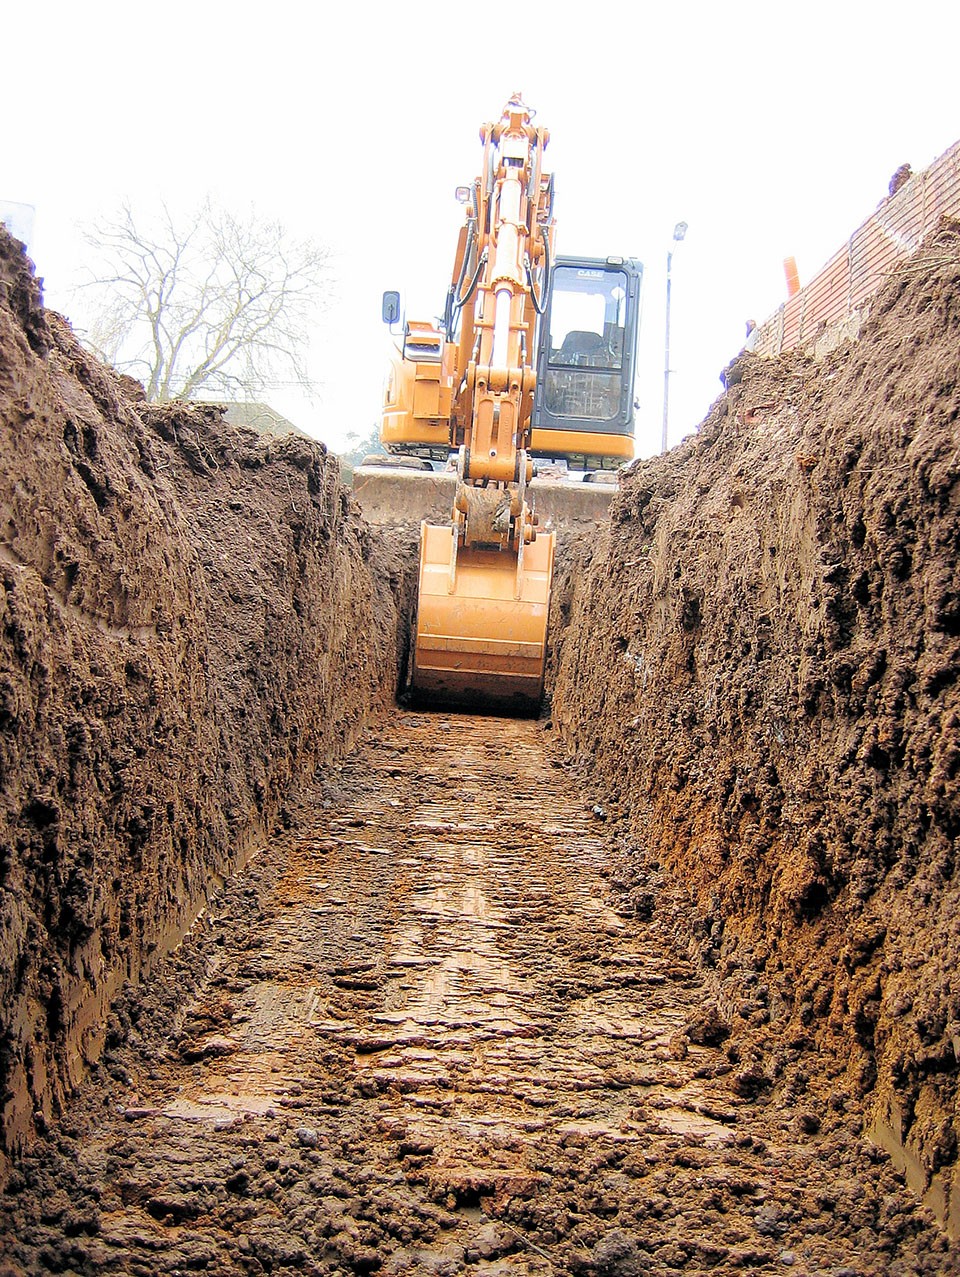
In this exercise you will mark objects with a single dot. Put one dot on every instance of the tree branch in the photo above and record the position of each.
(215, 302)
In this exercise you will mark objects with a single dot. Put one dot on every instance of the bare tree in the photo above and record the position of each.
(358, 447)
(213, 304)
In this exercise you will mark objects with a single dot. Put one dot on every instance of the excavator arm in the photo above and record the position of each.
(485, 579)
(504, 247)
(467, 390)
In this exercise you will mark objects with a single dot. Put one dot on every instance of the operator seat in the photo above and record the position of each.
(579, 348)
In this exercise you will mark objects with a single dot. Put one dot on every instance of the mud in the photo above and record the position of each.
(760, 664)
(662, 983)
(191, 619)
(429, 1032)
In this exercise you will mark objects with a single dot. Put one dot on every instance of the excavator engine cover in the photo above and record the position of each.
(482, 623)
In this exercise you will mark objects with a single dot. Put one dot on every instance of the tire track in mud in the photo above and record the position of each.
(429, 1038)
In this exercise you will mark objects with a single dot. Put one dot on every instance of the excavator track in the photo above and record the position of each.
(424, 1032)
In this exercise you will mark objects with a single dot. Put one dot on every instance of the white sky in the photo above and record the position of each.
(770, 132)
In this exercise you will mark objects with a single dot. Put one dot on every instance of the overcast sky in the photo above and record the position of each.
(770, 135)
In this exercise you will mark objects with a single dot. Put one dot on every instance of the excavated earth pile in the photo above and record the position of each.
(191, 621)
(760, 663)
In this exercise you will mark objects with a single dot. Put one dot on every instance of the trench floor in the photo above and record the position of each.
(426, 1033)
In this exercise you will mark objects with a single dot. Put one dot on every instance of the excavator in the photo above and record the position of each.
(529, 372)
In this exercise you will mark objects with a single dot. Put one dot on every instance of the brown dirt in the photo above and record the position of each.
(427, 1031)
(191, 619)
(628, 996)
(769, 635)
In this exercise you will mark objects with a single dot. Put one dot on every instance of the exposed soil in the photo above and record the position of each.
(768, 631)
(191, 619)
(648, 986)
(427, 1032)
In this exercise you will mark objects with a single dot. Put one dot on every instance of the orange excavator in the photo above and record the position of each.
(531, 368)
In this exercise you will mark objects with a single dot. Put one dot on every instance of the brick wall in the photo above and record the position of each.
(832, 301)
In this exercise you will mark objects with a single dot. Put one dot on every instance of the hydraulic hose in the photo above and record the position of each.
(453, 307)
(459, 305)
(539, 304)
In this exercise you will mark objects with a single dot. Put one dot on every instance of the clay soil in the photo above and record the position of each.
(662, 983)
(769, 630)
(166, 583)
(425, 1032)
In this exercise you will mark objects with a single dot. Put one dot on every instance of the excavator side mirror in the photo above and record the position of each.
(391, 308)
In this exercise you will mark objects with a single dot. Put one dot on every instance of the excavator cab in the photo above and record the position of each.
(583, 409)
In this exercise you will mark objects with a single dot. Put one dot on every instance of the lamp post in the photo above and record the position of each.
(679, 231)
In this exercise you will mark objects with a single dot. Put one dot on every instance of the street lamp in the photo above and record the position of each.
(679, 231)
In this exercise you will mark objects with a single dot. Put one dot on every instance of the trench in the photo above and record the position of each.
(425, 1031)
(663, 1002)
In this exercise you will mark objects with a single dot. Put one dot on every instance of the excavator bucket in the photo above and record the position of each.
(482, 623)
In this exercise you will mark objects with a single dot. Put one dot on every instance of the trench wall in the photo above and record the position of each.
(758, 661)
(190, 619)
